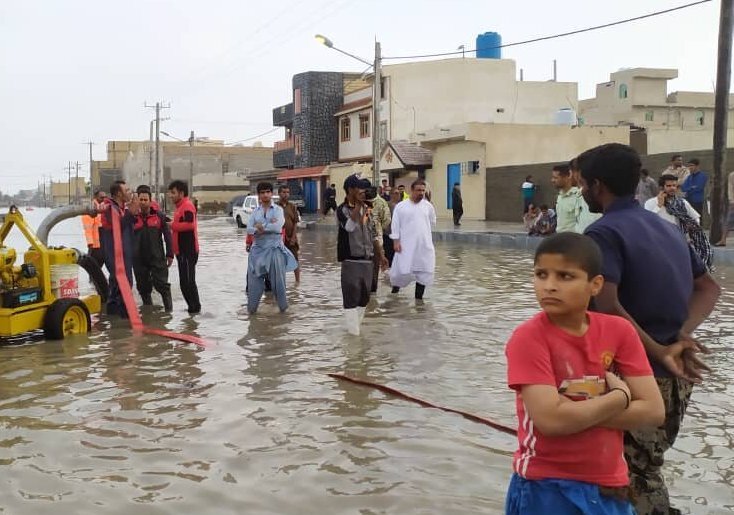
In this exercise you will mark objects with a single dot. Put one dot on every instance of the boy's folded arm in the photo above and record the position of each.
(646, 409)
(555, 415)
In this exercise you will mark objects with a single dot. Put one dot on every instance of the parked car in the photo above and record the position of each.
(236, 200)
(242, 209)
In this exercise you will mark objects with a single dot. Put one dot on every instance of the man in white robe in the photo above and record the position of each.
(415, 256)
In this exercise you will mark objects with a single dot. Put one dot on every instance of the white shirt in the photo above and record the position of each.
(411, 224)
(652, 205)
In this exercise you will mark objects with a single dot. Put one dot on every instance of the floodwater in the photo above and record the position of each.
(112, 423)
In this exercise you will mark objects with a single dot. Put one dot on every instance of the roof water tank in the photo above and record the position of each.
(565, 116)
(488, 46)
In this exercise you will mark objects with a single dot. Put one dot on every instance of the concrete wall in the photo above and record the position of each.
(357, 147)
(662, 141)
(473, 186)
(426, 95)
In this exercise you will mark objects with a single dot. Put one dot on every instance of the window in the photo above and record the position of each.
(345, 129)
(699, 117)
(297, 144)
(297, 100)
(623, 91)
(364, 125)
(383, 88)
(649, 116)
(383, 133)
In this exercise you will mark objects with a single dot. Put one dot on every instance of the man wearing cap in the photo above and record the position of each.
(355, 251)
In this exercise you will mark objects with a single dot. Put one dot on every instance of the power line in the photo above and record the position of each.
(563, 34)
(254, 137)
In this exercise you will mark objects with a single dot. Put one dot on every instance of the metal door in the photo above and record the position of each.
(310, 196)
(453, 175)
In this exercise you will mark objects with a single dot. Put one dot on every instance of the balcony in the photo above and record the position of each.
(283, 115)
(283, 145)
(284, 158)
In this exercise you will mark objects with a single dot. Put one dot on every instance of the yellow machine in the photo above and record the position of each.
(27, 302)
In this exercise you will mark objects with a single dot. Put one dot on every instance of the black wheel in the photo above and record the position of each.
(96, 275)
(66, 317)
(239, 222)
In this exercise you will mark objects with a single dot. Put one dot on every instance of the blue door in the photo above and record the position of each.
(310, 196)
(453, 175)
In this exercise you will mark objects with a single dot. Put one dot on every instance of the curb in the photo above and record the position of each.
(722, 255)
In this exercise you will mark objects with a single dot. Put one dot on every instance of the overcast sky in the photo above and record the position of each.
(76, 70)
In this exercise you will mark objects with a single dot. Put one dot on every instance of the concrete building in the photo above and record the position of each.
(65, 193)
(420, 96)
(472, 154)
(672, 122)
(219, 172)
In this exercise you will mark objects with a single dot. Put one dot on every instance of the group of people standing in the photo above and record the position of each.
(131, 226)
(363, 225)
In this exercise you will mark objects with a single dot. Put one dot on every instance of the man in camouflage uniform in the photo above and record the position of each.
(380, 217)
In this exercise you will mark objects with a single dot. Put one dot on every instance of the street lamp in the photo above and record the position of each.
(376, 96)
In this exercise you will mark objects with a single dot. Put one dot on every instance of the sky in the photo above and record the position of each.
(72, 71)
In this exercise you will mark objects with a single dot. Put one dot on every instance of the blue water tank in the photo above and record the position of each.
(488, 46)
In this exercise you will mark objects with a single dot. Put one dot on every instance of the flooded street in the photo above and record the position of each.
(112, 423)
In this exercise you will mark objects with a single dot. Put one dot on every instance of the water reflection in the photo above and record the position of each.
(254, 425)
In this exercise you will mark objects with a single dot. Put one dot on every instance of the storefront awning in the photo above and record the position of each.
(303, 173)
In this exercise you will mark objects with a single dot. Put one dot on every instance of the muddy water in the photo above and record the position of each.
(111, 423)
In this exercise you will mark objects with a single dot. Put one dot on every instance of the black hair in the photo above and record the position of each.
(116, 188)
(457, 184)
(643, 171)
(576, 248)
(527, 179)
(694, 161)
(675, 156)
(563, 170)
(665, 178)
(179, 185)
(417, 182)
(264, 186)
(401, 186)
(573, 164)
(98, 191)
(543, 206)
(614, 165)
(143, 188)
(283, 187)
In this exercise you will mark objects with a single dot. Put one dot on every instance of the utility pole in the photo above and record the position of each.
(91, 185)
(376, 96)
(76, 185)
(69, 169)
(158, 106)
(719, 195)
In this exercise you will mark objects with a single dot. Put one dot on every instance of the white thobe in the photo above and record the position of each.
(411, 224)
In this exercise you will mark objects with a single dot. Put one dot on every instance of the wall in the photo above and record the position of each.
(473, 186)
(661, 141)
(321, 98)
(426, 95)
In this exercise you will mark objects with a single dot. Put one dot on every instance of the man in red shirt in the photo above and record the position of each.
(185, 243)
(572, 408)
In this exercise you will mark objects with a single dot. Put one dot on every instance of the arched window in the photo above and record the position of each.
(623, 91)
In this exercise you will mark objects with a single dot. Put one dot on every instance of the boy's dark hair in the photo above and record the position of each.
(563, 170)
(143, 188)
(574, 247)
(643, 171)
(614, 165)
(264, 186)
(116, 188)
(527, 179)
(179, 185)
(544, 207)
(283, 187)
(665, 178)
(694, 161)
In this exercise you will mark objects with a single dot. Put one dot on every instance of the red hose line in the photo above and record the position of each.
(127, 294)
(426, 404)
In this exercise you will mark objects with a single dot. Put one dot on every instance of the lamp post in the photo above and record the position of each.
(376, 96)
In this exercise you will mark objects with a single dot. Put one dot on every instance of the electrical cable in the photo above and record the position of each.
(544, 38)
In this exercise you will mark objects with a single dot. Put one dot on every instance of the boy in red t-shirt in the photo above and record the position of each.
(571, 406)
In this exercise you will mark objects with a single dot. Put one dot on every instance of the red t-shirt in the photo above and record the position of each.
(539, 353)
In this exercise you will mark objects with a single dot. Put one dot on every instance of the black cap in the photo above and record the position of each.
(355, 181)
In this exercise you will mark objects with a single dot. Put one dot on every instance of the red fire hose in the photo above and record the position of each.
(426, 404)
(127, 295)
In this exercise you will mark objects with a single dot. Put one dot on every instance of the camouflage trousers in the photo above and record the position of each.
(644, 450)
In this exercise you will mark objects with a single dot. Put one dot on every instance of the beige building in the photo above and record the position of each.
(65, 193)
(219, 171)
(467, 153)
(673, 122)
(421, 96)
